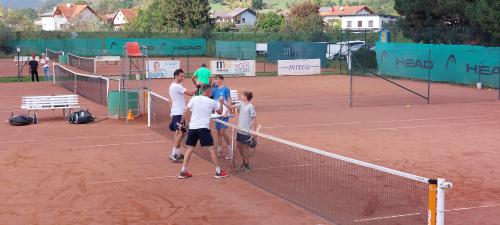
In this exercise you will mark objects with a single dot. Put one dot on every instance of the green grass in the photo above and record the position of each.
(15, 79)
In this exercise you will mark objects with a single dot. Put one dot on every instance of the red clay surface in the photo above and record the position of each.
(116, 173)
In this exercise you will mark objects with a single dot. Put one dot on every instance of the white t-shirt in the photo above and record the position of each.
(176, 92)
(45, 62)
(201, 108)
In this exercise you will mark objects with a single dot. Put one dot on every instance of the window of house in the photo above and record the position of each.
(243, 20)
(370, 23)
(349, 23)
(360, 23)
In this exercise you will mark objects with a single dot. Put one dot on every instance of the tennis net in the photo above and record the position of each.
(83, 63)
(53, 55)
(340, 189)
(94, 88)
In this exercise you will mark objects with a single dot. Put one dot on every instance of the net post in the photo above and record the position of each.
(432, 211)
(149, 108)
(429, 80)
(442, 185)
(54, 73)
(349, 61)
(95, 65)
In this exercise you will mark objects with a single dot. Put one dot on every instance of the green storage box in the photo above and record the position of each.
(118, 100)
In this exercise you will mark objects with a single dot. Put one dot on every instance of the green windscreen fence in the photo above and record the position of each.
(244, 50)
(114, 46)
(296, 50)
(461, 64)
(160, 46)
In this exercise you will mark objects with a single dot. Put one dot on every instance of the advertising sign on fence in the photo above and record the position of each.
(299, 67)
(162, 69)
(233, 67)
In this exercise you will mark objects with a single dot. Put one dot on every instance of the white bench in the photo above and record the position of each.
(64, 102)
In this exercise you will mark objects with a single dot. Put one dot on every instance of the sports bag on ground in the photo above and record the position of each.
(20, 120)
(81, 117)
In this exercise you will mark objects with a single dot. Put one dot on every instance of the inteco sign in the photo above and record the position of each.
(299, 67)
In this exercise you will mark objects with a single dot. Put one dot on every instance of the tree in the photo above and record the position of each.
(443, 21)
(257, 4)
(172, 15)
(269, 22)
(304, 18)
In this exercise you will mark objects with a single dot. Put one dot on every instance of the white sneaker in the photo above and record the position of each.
(229, 155)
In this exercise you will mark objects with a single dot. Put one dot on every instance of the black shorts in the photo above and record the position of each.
(202, 134)
(246, 139)
(173, 124)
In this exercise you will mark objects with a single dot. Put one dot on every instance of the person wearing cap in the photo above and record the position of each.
(45, 62)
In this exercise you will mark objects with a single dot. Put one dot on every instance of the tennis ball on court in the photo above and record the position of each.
(407, 106)
(489, 89)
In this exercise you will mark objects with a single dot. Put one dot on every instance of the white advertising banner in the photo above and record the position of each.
(299, 67)
(162, 69)
(233, 67)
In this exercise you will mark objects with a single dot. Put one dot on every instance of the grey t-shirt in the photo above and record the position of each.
(247, 111)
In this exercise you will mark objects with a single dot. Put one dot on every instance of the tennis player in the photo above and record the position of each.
(177, 92)
(220, 90)
(201, 108)
(202, 76)
(247, 120)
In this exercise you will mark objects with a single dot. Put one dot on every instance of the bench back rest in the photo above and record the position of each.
(50, 101)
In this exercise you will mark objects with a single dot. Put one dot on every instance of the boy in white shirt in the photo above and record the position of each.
(201, 108)
(178, 104)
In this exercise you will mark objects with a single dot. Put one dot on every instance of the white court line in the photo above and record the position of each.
(473, 207)
(415, 214)
(141, 179)
(164, 177)
(423, 119)
(429, 126)
(73, 138)
(387, 217)
(118, 144)
(313, 125)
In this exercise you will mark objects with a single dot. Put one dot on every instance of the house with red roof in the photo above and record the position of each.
(356, 17)
(122, 18)
(69, 16)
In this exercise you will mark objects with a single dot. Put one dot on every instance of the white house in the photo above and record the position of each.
(367, 22)
(123, 17)
(356, 17)
(240, 17)
(65, 15)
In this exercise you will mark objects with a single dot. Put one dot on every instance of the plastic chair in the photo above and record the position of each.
(133, 49)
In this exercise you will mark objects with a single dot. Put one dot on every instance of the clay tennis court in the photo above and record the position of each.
(111, 172)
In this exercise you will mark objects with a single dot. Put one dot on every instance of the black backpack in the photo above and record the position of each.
(81, 117)
(20, 120)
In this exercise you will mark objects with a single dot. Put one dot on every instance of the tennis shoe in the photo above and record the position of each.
(184, 175)
(247, 167)
(177, 158)
(221, 174)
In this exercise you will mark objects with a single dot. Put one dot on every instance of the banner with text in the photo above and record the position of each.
(299, 67)
(162, 69)
(462, 64)
(233, 67)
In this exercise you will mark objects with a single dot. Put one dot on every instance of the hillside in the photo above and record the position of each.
(383, 6)
(20, 4)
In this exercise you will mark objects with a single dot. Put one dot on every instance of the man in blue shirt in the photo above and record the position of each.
(220, 90)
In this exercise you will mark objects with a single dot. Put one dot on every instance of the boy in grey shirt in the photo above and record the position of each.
(246, 121)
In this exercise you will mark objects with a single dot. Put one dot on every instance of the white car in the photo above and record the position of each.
(339, 50)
